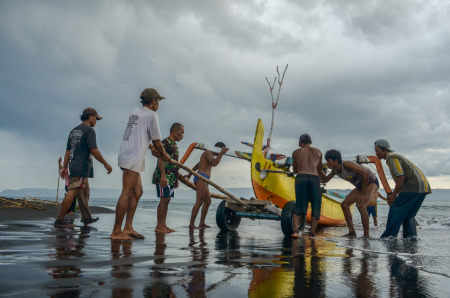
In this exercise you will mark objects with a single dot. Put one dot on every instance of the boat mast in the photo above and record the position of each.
(275, 103)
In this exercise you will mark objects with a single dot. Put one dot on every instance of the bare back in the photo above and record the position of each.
(307, 160)
(205, 164)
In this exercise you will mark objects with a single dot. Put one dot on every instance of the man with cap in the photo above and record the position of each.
(142, 129)
(307, 165)
(81, 146)
(208, 160)
(411, 187)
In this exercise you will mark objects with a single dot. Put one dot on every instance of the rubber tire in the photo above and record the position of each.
(226, 219)
(286, 219)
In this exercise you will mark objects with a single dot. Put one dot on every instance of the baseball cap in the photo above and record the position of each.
(383, 143)
(305, 139)
(93, 112)
(150, 93)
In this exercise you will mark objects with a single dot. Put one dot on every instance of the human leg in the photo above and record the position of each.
(205, 207)
(200, 193)
(398, 212)
(129, 180)
(67, 201)
(132, 206)
(83, 201)
(316, 203)
(163, 207)
(409, 224)
(372, 189)
(345, 205)
(301, 203)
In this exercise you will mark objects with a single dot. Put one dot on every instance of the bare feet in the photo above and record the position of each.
(163, 229)
(133, 234)
(120, 236)
(350, 235)
(192, 227)
(200, 226)
(312, 236)
(294, 235)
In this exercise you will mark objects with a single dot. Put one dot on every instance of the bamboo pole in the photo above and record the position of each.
(215, 185)
(192, 186)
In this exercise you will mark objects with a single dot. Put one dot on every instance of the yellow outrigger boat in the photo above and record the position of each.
(275, 192)
(280, 188)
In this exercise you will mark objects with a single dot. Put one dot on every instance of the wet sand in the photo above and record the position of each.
(37, 259)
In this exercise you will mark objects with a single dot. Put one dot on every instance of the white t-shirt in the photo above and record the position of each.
(142, 128)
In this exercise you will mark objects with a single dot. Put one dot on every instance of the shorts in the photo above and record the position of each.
(204, 175)
(165, 192)
(76, 182)
(359, 185)
(307, 189)
(372, 210)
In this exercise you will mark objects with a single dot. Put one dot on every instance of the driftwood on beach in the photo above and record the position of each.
(25, 203)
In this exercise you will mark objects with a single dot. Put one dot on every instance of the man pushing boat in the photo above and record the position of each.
(307, 164)
(366, 186)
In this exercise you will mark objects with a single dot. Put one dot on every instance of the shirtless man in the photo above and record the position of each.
(307, 164)
(366, 186)
(142, 128)
(207, 161)
(372, 207)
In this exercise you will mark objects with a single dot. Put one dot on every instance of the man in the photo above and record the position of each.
(307, 165)
(142, 128)
(411, 187)
(166, 177)
(366, 186)
(81, 145)
(372, 207)
(203, 198)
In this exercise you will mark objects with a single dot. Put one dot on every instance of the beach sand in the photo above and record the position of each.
(38, 260)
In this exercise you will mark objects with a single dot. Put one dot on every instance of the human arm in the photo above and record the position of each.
(98, 156)
(162, 169)
(214, 161)
(381, 196)
(399, 183)
(195, 168)
(159, 147)
(64, 171)
(358, 169)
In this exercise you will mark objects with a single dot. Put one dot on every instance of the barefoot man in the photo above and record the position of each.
(142, 128)
(207, 161)
(366, 186)
(166, 177)
(307, 164)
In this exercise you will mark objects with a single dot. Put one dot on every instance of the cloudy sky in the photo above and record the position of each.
(357, 72)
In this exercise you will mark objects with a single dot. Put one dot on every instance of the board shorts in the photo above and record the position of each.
(372, 210)
(204, 175)
(165, 192)
(307, 190)
(76, 183)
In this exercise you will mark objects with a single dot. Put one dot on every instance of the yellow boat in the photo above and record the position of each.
(280, 188)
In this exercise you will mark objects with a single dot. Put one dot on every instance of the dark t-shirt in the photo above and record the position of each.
(81, 139)
(170, 169)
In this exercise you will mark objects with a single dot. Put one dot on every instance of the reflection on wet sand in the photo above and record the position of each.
(404, 280)
(121, 271)
(68, 244)
(159, 287)
(200, 252)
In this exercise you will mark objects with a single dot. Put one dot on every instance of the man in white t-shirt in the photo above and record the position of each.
(142, 130)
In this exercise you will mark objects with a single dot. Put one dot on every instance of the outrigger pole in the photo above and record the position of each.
(215, 185)
(275, 103)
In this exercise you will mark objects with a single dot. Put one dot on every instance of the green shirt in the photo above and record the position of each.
(170, 169)
(415, 180)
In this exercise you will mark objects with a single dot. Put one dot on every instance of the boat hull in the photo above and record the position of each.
(280, 189)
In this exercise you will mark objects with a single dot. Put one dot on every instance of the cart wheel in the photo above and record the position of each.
(226, 219)
(286, 219)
